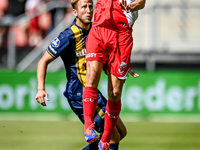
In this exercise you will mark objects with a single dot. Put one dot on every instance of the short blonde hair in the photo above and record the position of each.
(73, 3)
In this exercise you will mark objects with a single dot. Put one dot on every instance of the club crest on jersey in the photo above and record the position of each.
(55, 42)
(122, 67)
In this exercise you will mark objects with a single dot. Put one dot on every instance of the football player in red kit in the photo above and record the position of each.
(108, 46)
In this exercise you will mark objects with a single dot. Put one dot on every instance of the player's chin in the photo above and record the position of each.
(87, 21)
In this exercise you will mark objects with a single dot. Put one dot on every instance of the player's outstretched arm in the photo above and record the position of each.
(136, 5)
(41, 74)
(133, 73)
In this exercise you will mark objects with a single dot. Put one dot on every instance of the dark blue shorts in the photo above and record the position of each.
(77, 107)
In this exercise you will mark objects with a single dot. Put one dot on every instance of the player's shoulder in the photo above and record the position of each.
(75, 29)
(65, 34)
(63, 38)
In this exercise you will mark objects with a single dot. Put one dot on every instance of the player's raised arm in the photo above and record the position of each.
(136, 5)
(41, 74)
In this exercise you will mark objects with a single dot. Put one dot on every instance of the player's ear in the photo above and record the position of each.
(74, 11)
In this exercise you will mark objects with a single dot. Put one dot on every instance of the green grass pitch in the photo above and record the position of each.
(68, 135)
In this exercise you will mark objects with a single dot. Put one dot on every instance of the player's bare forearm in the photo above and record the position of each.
(136, 5)
(41, 74)
(42, 69)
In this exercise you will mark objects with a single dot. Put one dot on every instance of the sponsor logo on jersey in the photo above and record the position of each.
(112, 116)
(53, 50)
(122, 67)
(91, 55)
(55, 42)
(80, 53)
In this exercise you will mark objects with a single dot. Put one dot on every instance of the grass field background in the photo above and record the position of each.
(68, 135)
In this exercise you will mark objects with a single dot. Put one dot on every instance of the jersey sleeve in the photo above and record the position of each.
(58, 44)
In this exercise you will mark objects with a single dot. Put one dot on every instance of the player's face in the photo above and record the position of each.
(84, 12)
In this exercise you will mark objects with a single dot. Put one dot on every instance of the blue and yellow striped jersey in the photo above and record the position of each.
(70, 46)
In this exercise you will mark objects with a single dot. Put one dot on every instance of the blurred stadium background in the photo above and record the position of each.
(160, 108)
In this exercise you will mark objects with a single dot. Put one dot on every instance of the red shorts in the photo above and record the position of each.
(110, 47)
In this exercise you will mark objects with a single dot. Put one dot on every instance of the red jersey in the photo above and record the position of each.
(112, 34)
(109, 14)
